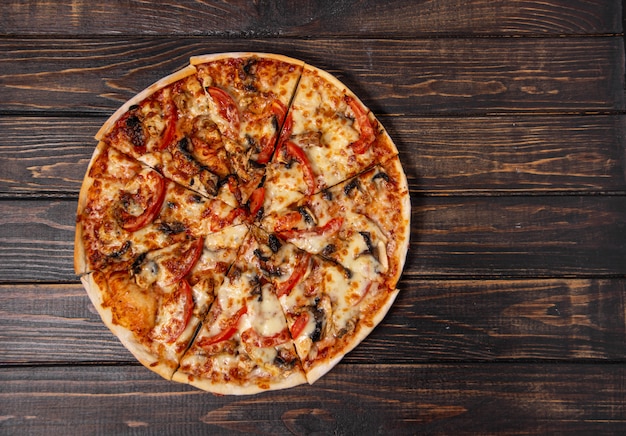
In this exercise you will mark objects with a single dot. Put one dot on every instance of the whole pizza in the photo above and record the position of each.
(243, 223)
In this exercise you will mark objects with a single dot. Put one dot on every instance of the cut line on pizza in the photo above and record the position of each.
(243, 223)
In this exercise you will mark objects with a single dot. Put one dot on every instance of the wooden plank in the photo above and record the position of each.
(45, 155)
(486, 237)
(359, 399)
(512, 154)
(432, 320)
(507, 154)
(548, 236)
(244, 18)
(467, 76)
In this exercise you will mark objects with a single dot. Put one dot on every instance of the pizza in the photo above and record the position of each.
(243, 223)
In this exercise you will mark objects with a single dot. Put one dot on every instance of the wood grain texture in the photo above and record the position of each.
(444, 155)
(462, 76)
(431, 320)
(510, 120)
(519, 237)
(245, 18)
(451, 236)
(407, 399)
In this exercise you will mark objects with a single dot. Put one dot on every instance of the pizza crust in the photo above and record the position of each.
(203, 59)
(294, 379)
(80, 254)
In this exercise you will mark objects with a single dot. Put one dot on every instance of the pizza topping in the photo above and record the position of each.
(307, 215)
(351, 186)
(299, 324)
(300, 268)
(367, 135)
(227, 110)
(267, 145)
(292, 151)
(178, 266)
(274, 243)
(134, 130)
(176, 311)
(170, 115)
(140, 204)
(381, 175)
(285, 133)
(229, 329)
(252, 337)
(255, 202)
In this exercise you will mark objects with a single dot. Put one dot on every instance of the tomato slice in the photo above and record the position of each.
(284, 288)
(330, 228)
(229, 330)
(149, 202)
(255, 202)
(183, 303)
(233, 187)
(299, 324)
(285, 132)
(279, 110)
(295, 152)
(287, 222)
(185, 261)
(228, 219)
(367, 135)
(171, 117)
(227, 109)
(267, 149)
(251, 336)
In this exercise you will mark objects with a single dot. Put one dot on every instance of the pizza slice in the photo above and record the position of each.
(168, 126)
(126, 208)
(362, 224)
(329, 309)
(155, 306)
(244, 345)
(249, 97)
(329, 136)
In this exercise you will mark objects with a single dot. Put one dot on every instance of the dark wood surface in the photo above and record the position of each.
(510, 117)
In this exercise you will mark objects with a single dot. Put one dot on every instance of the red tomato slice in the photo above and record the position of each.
(292, 150)
(267, 149)
(150, 202)
(299, 324)
(285, 132)
(228, 219)
(284, 288)
(183, 303)
(330, 228)
(367, 135)
(171, 117)
(227, 332)
(186, 260)
(251, 336)
(255, 202)
(227, 109)
(280, 110)
(287, 221)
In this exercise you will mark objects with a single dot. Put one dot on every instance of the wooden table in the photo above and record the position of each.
(510, 120)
